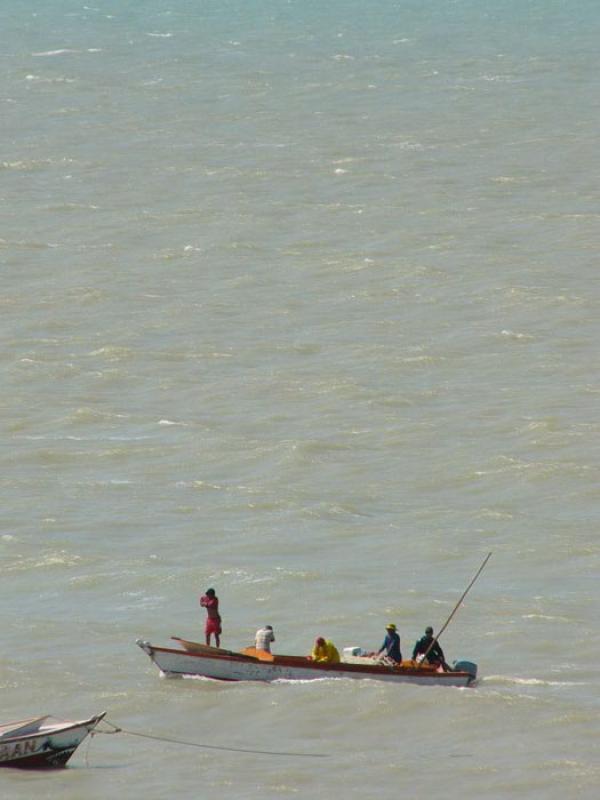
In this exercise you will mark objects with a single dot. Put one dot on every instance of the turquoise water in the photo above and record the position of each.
(301, 301)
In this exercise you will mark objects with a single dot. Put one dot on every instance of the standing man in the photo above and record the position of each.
(391, 644)
(264, 637)
(210, 602)
(427, 644)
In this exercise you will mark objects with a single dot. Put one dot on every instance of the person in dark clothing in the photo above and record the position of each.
(391, 644)
(428, 644)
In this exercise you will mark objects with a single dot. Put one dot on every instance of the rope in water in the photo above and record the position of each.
(118, 729)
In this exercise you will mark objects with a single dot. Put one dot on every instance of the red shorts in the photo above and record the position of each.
(212, 626)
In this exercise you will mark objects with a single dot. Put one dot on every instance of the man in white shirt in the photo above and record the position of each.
(264, 637)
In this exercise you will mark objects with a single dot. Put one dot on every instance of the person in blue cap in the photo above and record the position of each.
(428, 649)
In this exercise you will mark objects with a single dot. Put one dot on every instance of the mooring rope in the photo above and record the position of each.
(118, 729)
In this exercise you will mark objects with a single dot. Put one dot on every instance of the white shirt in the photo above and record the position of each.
(263, 639)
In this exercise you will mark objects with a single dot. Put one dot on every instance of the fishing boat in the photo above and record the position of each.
(43, 741)
(192, 659)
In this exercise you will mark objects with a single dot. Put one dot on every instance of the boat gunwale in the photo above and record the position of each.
(64, 727)
(302, 662)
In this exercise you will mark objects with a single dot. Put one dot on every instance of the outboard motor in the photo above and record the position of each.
(465, 666)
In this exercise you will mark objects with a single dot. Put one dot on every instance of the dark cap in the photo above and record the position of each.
(429, 631)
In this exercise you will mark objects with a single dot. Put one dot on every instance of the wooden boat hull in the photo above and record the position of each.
(239, 667)
(45, 745)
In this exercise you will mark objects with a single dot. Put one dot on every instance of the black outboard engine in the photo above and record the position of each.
(465, 666)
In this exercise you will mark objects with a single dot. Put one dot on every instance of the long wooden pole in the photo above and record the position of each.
(457, 606)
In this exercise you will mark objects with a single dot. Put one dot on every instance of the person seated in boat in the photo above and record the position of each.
(391, 644)
(264, 637)
(325, 652)
(429, 645)
(210, 602)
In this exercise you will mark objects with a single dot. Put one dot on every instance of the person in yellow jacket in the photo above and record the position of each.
(325, 651)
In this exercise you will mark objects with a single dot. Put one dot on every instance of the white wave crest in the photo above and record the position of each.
(516, 681)
(61, 52)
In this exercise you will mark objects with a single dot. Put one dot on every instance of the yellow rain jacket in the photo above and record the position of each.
(326, 653)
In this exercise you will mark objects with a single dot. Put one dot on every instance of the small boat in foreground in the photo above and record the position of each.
(43, 741)
(193, 659)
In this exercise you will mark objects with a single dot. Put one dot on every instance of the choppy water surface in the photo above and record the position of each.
(301, 302)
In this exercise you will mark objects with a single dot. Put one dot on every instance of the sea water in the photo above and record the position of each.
(300, 301)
